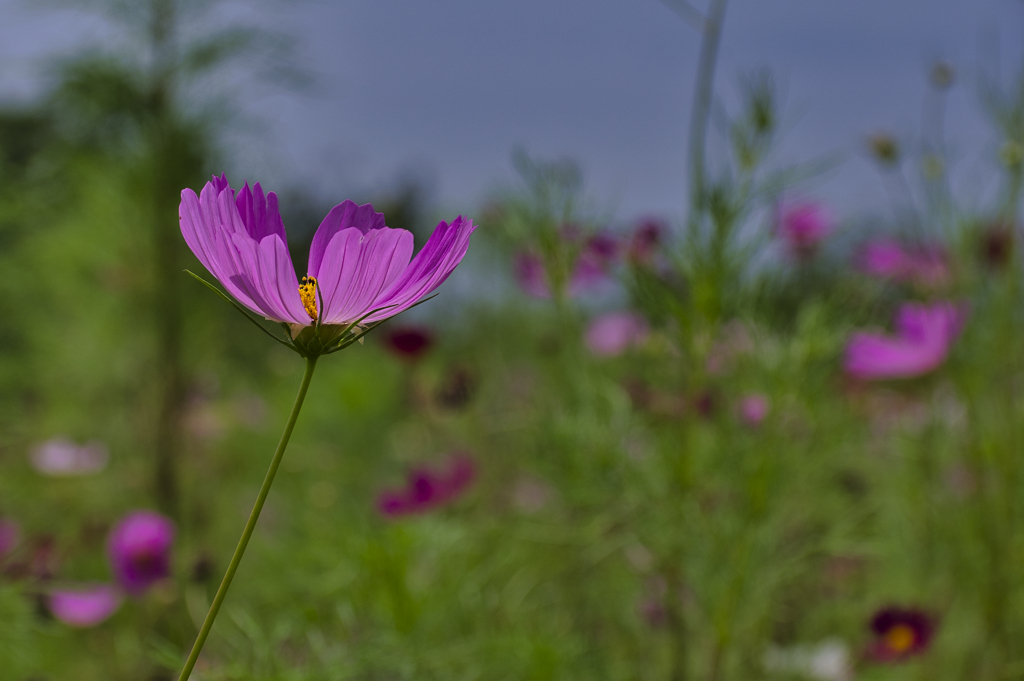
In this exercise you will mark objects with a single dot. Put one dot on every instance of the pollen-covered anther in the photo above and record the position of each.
(307, 293)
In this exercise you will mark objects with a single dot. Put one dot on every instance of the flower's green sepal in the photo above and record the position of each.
(318, 339)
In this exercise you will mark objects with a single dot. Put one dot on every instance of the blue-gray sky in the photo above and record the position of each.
(448, 88)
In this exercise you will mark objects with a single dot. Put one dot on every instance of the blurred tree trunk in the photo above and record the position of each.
(170, 172)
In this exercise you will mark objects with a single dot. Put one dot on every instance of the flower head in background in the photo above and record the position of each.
(924, 335)
(60, 456)
(754, 408)
(359, 270)
(900, 633)
(885, 148)
(139, 548)
(409, 343)
(85, 606)
(10, 536)
(828, 660)
(601, 250)
(590, 269)
(427, 489)
(997, 240)
(645, 240)
(803, 226)
(613, 333)
(887, 259)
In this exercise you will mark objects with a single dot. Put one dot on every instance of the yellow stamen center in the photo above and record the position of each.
(900, 638)
(307, 293)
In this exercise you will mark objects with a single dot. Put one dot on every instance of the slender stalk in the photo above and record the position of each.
(225, 583)
(703, 92)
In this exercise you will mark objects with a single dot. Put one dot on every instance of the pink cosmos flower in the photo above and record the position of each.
(85, 606)
(613, 333)
(803, 226)
(139, 548)
(60, 456)
(10, 535)
(359, 270)
(888, 259)
(924, 334)
(754, 408)
(427, 489)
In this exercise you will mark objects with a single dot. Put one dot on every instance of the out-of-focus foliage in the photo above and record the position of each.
(632, 516)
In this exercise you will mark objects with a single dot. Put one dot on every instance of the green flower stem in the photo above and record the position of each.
(250, 525)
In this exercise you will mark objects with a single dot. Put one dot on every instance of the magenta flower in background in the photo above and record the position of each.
(358, 268)
(530, 275)
(60, 456)
(602, 250)
(85, 606)
(888, 259)
(408, 342)
(803, 226)
(924, 335)
(754, 408)
(426, 489)
(613, 333)
(900, 633)
(596, 257)
(10, 536)
(590, 272)
(139, 548)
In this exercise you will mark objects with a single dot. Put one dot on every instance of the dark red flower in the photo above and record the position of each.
(900, 633)
(427, 489)
(645, 240)
(997, 244)
(409, 342)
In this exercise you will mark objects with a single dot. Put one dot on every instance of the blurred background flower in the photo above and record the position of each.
(802, 226)
(754, 408)
(84, 606)
(900, 633)
(427, 489)
(612, 333)
(408, 342)
(924, 334)
(60, 456)
(139, 549)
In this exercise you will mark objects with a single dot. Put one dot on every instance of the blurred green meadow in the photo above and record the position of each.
(721, 481)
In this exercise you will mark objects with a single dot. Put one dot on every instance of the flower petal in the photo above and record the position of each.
(259, 214)
(241, 241)
(358, 267)
(428, 270)
(346, 215)
(265, 270)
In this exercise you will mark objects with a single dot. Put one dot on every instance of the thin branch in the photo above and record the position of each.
(703, 92)
(687, 12)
